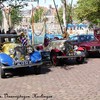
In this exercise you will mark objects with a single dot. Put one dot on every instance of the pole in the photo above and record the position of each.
(32, 16)
(65, 33)
(58, 16)
(64, 14)
(71, 10)
(9, 18)
(45, 24)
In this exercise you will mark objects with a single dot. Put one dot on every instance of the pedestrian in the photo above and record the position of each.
(3, 31)
(65, 34)
(23, 39)
(8, 32)
(0, 31)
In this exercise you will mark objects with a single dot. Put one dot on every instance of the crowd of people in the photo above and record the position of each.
(10, 31)
(21, 39)
(2, 31)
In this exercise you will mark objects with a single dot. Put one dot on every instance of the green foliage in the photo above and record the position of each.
(15, 10)
(38, 15)
(69, 14)
(60, 12)
(15, 16)
(1, 17)
(89, 10)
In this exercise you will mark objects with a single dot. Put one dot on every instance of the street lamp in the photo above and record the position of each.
(45, 20)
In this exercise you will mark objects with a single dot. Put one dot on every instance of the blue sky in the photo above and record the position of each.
(46, 3)
(50, 2)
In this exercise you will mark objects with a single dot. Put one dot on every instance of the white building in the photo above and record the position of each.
(26, 15)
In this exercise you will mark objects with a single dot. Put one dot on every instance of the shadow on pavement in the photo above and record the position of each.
(73, 62)
(46, 68)
(21, 72)
(69, 64)
(94, 55)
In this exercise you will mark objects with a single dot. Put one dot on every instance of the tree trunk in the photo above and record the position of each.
(64, 13)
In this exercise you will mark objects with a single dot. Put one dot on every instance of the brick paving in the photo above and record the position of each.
(71, 82)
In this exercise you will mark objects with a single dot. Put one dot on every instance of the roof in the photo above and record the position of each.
(58, 40)
(52, 36)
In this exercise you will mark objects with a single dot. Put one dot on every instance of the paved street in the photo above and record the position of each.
(70, 82)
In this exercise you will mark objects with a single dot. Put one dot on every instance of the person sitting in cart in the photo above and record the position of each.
(23, 39)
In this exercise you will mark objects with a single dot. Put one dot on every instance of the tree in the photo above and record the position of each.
(38, 15)
(68, 16)
(60, 12)
(88, 10)
(14, 13)
(64, 12)
(15, 16)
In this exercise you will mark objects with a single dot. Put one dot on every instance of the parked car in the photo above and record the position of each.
(61, 50)
(92, 46)
(14, 55)
(78, 39)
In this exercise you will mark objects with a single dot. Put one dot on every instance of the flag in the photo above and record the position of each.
(23, 41)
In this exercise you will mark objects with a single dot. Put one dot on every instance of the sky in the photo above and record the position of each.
(46, 3)
(50, 2)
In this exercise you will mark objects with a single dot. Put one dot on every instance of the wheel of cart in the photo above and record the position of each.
(55, 61)
(80, 60)
(3, 74)
(86, 52)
